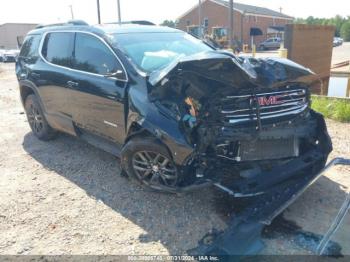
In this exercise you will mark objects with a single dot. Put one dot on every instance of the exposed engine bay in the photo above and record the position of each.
(243, 116)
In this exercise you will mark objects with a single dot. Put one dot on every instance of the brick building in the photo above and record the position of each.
(10, 32)
(215, 13)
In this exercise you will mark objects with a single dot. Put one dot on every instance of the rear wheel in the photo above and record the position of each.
(150, 163)
(37, 122)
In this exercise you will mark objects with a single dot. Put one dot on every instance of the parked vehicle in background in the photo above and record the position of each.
(270, 43)
(179, 113)
(337, 41)
(10, 55)
(2, 55)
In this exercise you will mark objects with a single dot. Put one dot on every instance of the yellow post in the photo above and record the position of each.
(253, 50)
(282, 52)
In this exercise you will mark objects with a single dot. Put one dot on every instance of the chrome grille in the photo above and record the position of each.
(236, 109)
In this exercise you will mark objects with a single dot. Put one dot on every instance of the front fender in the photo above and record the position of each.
(167, 129)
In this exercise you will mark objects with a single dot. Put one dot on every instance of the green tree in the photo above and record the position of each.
(169, 23)
(345, 31)
(336, 21)
(299, 20)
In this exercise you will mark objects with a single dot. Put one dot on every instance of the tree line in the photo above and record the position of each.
(342, 24)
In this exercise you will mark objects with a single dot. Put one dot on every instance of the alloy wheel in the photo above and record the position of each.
(35, 119)
(154, 169)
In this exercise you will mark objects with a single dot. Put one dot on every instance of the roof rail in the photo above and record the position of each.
(137, 22)
(70, 22)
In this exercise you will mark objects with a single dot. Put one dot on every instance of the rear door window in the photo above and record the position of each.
(58, 48)
(29, 49)
(93, 56)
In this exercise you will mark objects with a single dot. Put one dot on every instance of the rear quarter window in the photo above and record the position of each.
(30, 48)
(58, 48)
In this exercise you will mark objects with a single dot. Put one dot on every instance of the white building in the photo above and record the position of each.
(10, 32)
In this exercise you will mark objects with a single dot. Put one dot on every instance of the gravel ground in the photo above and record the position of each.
(66, 197)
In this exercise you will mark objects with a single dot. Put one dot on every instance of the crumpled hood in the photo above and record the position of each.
(224, 67)
(272, 71)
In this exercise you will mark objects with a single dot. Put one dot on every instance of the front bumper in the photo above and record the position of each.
(310, 162)
(243, 235)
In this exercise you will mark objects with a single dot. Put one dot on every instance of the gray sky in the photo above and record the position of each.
(50, 11)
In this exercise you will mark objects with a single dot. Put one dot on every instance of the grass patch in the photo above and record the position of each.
(337, 109)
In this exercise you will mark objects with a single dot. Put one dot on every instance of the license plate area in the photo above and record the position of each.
(269, 149)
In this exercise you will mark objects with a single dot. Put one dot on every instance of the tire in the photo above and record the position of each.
(149, 162)
(263, 48)
(36, 119)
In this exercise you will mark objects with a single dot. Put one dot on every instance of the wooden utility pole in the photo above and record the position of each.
(200, 18)
(119, 12)
(98, 12)
(231, 32)
(71, 11)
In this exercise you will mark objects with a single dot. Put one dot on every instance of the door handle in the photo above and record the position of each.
(72, 84)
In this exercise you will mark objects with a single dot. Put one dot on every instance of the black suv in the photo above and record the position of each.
(180, 114)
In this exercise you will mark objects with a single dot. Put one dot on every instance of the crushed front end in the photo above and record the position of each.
(248, 122)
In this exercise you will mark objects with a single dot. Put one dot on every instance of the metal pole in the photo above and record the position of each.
(231, 33)
(119, 15)
(200, 18)
(71, 11)
(98, 12)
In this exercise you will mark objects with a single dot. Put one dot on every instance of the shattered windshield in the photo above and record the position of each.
(153, 51)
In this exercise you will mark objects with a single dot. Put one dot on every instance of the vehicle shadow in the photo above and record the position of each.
(177, 222)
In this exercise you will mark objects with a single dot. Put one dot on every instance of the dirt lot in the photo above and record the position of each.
(66, 197)
(341, 53)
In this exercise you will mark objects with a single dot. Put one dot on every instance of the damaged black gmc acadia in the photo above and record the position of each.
(180, 114)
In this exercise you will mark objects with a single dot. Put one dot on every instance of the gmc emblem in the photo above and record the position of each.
(271, 100)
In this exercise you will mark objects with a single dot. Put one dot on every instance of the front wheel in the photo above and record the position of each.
(149, 162)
